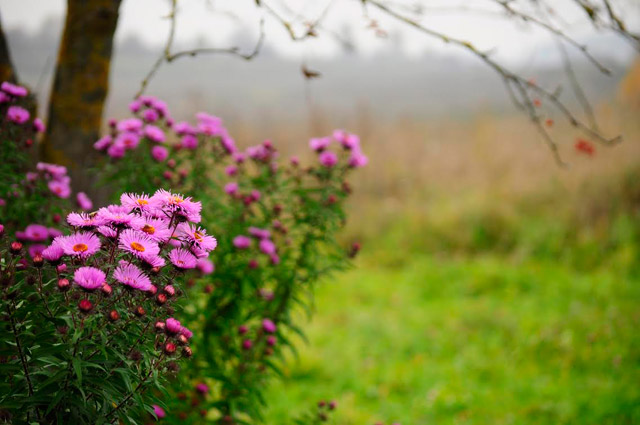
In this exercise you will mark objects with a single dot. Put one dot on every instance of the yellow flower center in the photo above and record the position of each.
(148, 229)
(142, 202)
(80, 247)
(138, 247)
(198, 236)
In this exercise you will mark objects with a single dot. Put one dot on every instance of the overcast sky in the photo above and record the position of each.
(213, 22)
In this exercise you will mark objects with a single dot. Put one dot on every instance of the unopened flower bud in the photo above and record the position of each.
(243, 329)
(15, 247)
(114, 315)
(139, 311)
(253, 263)
(38, 261)
(208, 288)
(271, 340)
(63, 284)
(57, 218)
(322, 403)
(159, 326)
(182, 340)
(61, 268)
(333, 404)
(155, 270)
(187, 352)
(169, 348)
(169, 290)
(85, 305)
(247, 344)
(161, 299)
(106, 290)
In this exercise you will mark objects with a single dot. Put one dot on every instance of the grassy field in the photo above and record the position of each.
(494, 288)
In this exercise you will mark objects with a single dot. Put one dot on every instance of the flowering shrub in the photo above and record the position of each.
(276, 225)
(89, 320)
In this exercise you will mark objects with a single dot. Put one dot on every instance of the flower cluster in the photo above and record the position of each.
(55, 176)
(10, 94)
(349, 142)
(37, 235)
(264, 241)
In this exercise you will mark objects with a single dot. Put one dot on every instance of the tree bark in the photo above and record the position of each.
(80, 87)
(7, 71)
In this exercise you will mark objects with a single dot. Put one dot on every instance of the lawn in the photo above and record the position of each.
(481, 339)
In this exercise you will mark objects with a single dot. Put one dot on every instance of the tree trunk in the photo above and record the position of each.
(7, 72)
(80, 87)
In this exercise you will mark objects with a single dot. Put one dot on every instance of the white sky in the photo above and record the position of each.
(212, 22)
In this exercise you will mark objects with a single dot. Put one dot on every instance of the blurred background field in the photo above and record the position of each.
(493, 286)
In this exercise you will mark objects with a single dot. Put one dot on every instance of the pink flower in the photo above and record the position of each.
(116, 151)
(231, 170)
(347, 140)
(182, 259)
(158, 411)
(159, 153)
(189, 141)
(83, 201)
(186, 332)
(205, 266)
(173, 326)
(38, 125)
(154, 134)
(267, 246)
(181, 128)
(36, 233)
(259, 233)
(357, 159)
(54, 233)
(197, 236)
(271, 340)
(84, 220)
(119, 216)
(89, 278)
(134, 201)
(202, 388)
(135, 106)
(328, 159)
(242, 242)
(231, 188)
(107, 232)
(103, 143)
(268, 326)
(150, 115)
(238, 157)
(60, 189)
(53, 252)
(156, 228)
(132, 276)
(55, 171)
(36, 249)
(319, 144)
(127, 141)
(153, 260)
(255, 195)
(294, 161)
(172, 203)
(81, 244)
(138, 243)
(132, 125)
(13, 89)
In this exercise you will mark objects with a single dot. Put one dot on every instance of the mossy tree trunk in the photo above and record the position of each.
(80, 87)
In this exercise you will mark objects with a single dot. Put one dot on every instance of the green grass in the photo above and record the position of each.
(478, 339)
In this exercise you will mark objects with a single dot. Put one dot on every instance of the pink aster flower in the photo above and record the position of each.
(138, 243)
(127, 140)
(182, 259)
(357, 159)
(84, 220)
(154, 134)
(259, 233)
(205, 266)
(52, 170)
(132, 125)
(202, 388)
(60, 189)
(119, 216)
(175, 203)
(134, 201)
(231, 188)
(13, 89)
(197, 236)
(231, 170)
(116, 151)
(103, 143)
(328, 159)
(36, 249)
(320, 143)
(173, 326)
(153, 260)
(36, 233)
(239, 157)
(268, 326)
(242, 242)
(54, 233)
(181, 128)
(267, 246)
(38, 125)
(131, 276)
(156, 228)
(81, 244)
(150, 115)
(107, 232)
(186, 332)
(158, 411)
(83, 201)
(189, 141)
(89, 278)
(159, 153)
(135, 106)
(53, 252)
(228, 144)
